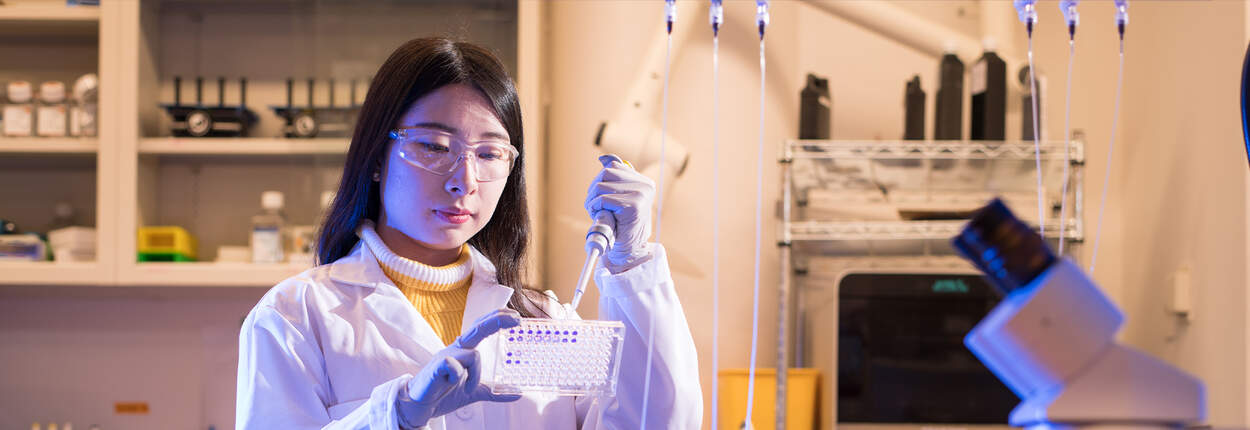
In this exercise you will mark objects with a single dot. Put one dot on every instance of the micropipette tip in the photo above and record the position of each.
(715, 16)
(670, 14)
(761, 15)
(1121, 16)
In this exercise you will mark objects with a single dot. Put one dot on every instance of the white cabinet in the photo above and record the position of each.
(136, 173)
(53, 42)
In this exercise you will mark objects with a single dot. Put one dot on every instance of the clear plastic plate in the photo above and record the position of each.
(566, 357)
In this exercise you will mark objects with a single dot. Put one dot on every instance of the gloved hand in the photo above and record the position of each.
(628, 195)
(450, 380)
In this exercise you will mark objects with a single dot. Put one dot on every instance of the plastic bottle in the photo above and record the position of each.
(989, 96)
(948, 109)
(52, 113)
(1026, 106)
(913, 108)
(815, 115)
(267, 229)
(19, 113)
(85, 107)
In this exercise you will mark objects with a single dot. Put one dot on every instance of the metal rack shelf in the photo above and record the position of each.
(932, 150)
(875, 157)
(899, 230)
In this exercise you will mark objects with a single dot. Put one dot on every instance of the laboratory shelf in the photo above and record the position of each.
(954, 150)
(52, 273)
(48, 18)
(898, 230)
(207, 274)
(49, 145)
(242, 146)
(48, 12)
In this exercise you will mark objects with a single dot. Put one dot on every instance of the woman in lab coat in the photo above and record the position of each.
(420, 262)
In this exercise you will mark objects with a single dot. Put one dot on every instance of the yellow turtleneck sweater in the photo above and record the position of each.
(438, 293)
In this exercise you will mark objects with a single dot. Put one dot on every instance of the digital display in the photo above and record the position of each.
(956, 286)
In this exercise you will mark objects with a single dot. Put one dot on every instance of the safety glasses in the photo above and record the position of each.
(439, 153)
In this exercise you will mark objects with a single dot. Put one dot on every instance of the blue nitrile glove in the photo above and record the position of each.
(628, 195)
(450, 380)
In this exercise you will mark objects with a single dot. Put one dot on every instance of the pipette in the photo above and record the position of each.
(598, 241)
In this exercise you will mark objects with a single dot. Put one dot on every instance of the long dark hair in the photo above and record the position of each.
(415, 69)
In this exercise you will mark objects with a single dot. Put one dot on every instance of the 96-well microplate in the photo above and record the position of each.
(566, 357)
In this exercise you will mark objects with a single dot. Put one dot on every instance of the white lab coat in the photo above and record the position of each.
(330, 348)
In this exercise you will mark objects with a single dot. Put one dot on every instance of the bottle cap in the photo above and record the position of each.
(990, 44)
(52, 92)
(19, 92)
(271, 200)
(86, 88)
(950, 47)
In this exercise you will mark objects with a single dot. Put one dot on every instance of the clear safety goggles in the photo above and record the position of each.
(439, 153)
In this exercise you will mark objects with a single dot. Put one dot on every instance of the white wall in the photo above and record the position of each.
(1185, 201)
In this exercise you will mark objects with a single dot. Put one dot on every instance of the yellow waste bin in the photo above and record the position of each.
(801, 399)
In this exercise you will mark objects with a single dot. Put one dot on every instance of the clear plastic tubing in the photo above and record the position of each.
(670, 16)
(1036, 134)
(716, 15)
(1121, 22)
(761, 19)
(1068, 7)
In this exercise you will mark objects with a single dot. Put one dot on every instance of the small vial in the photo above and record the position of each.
(52, 113)
(19, 112)
(267, 228)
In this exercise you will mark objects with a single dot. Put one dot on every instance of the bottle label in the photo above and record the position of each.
(52, 120)
(266, 245)
(979, 78)
(17, 120)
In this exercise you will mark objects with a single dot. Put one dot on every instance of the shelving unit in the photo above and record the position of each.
(243, 146)
(209, 274)
(48, 40)
(48, 18)
(926, 171)
(48, 12)
(134, 174)
(49, 145)
(50, 273)
(898, 230)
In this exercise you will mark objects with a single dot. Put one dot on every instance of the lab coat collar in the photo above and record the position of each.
(360, 268)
